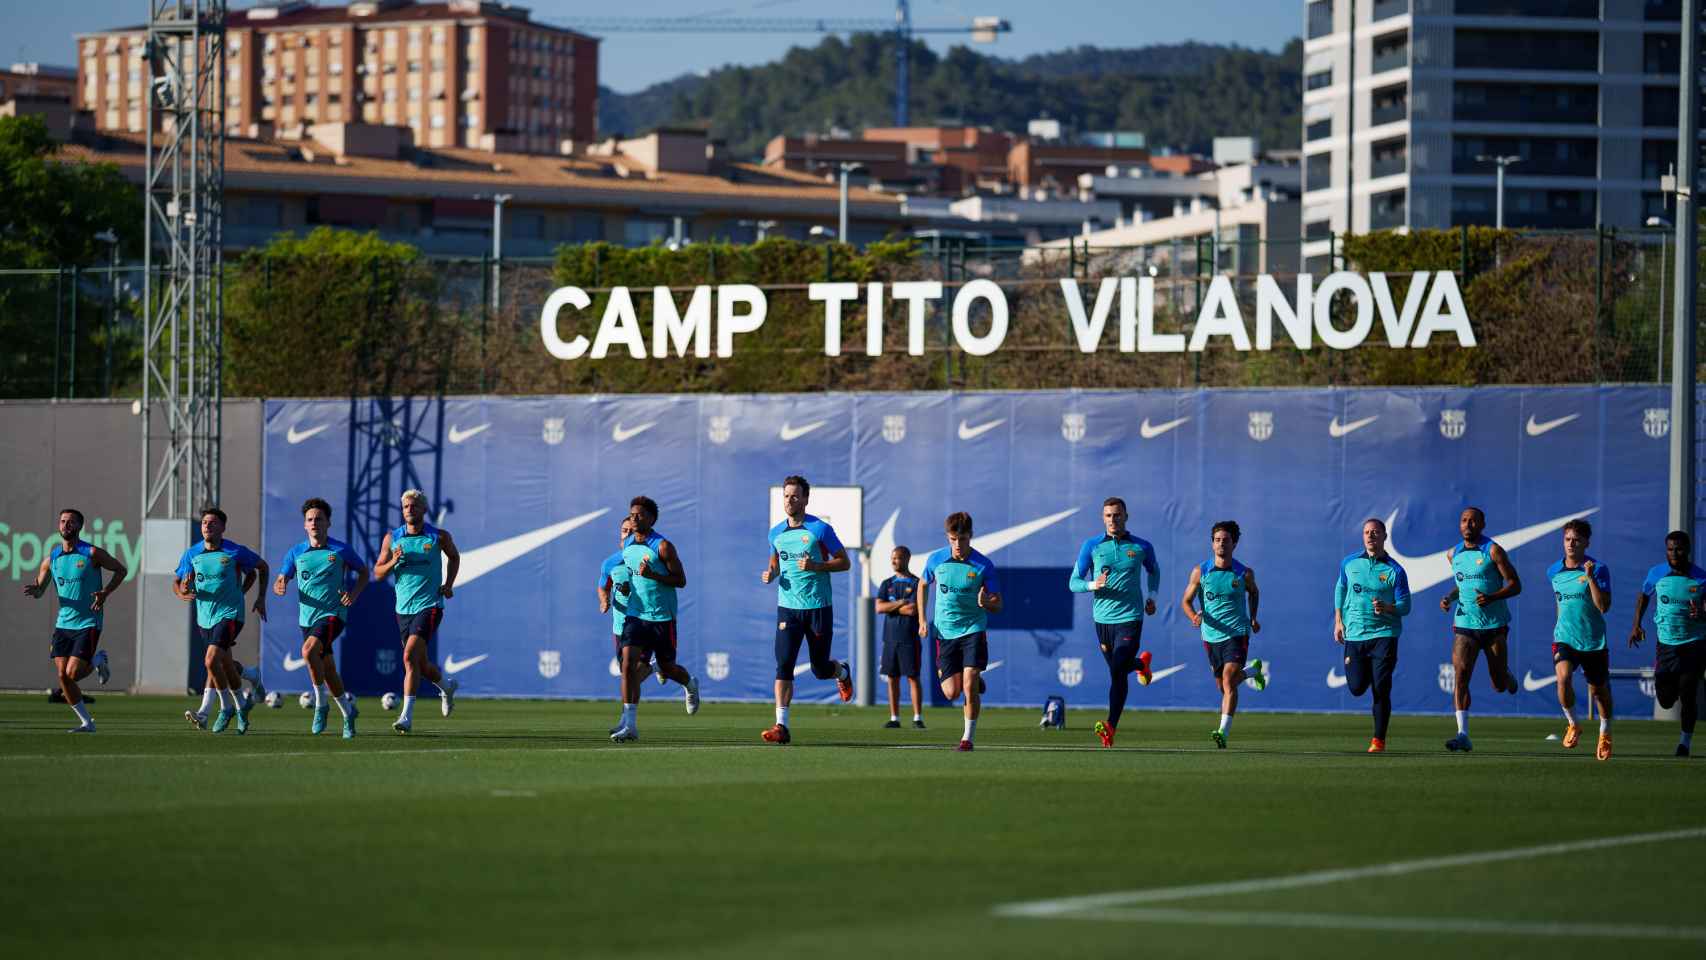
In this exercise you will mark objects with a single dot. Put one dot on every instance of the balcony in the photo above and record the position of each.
(1391, 53)
(1386, 211)
(1385, 9)
(1394, 112)
(1389, 165)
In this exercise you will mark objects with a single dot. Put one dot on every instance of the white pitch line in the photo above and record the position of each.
(1073, 906)
(1351, 921)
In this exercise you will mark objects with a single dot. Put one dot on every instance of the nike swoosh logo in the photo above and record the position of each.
(294, 663)
(623, 435)
(1536, 429)
(478, 562)
(297, 436)
(791, 432)
(1155, 675)
(986, 544)
(1335, 679)
(1337, 429)
(1151, 432)
(969, 432)
(1435, 568)
(993, 664)
(1532, 683)
(453, 665)
(457, 435)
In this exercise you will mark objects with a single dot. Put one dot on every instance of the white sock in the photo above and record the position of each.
(894, 717)
(320, 695)
(227, 699)
(1570, 715)
(1604, 725)
(916, 716)
(1463, 722)
(971, 728)
(82, 710)
(1687, 738)
(782, 716)
(408, 709)
(630, 714)
(345, 703)
(1226, 723)
(207, 695)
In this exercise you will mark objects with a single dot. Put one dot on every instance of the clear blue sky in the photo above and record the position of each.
(631, 61)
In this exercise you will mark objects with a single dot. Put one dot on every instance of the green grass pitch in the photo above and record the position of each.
(517, 829)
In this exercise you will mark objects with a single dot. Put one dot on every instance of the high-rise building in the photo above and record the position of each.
(1405, 102)
(461, 73)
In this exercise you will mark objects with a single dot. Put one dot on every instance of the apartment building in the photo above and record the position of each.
(461, 73)
(1404, 101)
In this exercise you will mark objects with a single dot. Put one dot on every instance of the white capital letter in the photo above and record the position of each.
(1358, 288)
(1271, 303)
(915, 292)
(554, 304)
(669, 327)
(1089, 330)
(1397, 324)
(619, 326)
(988, 343)
(1219, 316)
(832, 295)
(729, 295)
(1148, 341)
(1445, 313)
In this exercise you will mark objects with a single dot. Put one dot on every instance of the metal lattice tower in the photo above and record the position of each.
(184, 186)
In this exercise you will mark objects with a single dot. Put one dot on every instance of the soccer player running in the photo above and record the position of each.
(804, 551)
(1582, 587)
(1227, 619)
(75, 566)
(967, 591)
(1110, 566)
(1482, 621)
(1370, 602)
(321, 567)
(614, 585)
(424, 582)
(214, 574)
(896, 601)
(648, 626)
(1680, 623)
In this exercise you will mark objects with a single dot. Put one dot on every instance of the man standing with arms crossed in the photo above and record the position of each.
(648, 626)
(213, 575)
(1109, 566)
(1370, 602)
(1582, 587)
(75, 566)
(1679, 587)
(967, 591)
(804, 551)
(321, 567)
(426, 561)
(1227, 619)
(1485, 580)
(896, 601)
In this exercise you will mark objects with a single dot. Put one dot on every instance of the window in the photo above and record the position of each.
(1658, 157)
(1319, 130)
(1318, 80)
(1584, 9)
(1663, 53)
(1390, 104)
(1664, 9)
(1384, 9)
(1481, 102)
(1389, 157)
(1320, 18)
(1319, 172)
(1527, 50)
(1318, 230)
(1391, 51)
(1546, 209)
(1386, 210)
(1540, 156)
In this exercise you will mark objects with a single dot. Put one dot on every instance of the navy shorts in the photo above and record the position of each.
(900, 658)
(1481, 639)
(954, 656)
(1680, 659)
(653, 637)
(1595, 665)
(1119, 643)
(423, 624)
(812, 626)
(222, 634)
(76, 643)
(1231, 650)
(325, 630)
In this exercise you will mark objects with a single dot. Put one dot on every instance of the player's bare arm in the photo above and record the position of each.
(988, 601)
(1255, 595)
(1188, 602)
(770, 571)
(672, 574)
(35, 590)
(350, 596)
(447, 543)
(389, 557)
(918, 601)
(1636, 634)
(111, 564)
(1601, 597)
(263, 573)
(1513, 583)
(604, 596)
(832, 563)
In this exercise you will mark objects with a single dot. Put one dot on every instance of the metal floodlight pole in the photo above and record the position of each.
(498, 201)
(1502, 161)
(841, 224)
(1682, 452)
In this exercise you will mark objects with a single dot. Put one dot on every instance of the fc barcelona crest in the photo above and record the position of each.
(1071, 672)
(894, 427)
(720, 429)
(1656, 422)
(1447, 678)
(550, 663)
(385, 661)
(1261, 424)
(1072, 426)
(553, 433)
(717, 665)
(1452, 423)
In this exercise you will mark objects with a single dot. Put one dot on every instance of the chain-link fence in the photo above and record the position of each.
(1546, 308)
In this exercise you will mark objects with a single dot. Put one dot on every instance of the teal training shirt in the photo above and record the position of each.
(798, 589)
(218, 579)
(1672, 591)
(77, 580)
(648, 599)
(1126, 558)
(1475, 571)
(957, 583)
(420, 573)
(1580, 624)
(321, 575)
(1225, 602)
(1364, 579)
(615, 573)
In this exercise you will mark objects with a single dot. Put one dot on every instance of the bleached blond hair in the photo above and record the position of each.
(413, 494)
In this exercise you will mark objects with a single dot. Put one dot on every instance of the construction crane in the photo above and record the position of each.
(981, 30)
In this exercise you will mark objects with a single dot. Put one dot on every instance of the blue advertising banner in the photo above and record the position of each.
(533, 490)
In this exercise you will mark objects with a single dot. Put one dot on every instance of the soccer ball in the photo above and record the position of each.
(389, 701)
(274, 700)
(306, 700)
